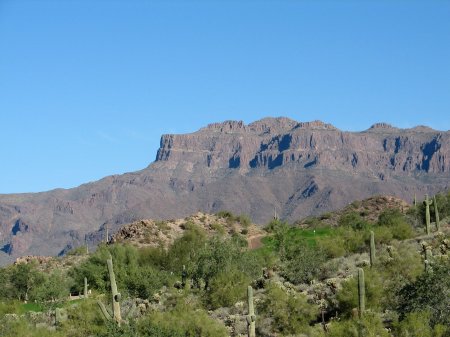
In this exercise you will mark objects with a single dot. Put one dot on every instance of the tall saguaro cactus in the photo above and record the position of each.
(85, 288)
(372, 248)
(361, 292)
(427, 202)
(251, 318)
(116, 315)
(436, 214)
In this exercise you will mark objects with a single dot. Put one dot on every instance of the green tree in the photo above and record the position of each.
(290, 314)
(429, 292)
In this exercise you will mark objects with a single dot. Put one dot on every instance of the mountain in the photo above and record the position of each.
(274, 164)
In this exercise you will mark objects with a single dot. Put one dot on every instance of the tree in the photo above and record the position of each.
(429, 292)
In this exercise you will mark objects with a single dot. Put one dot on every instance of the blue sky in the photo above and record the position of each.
(88, 87)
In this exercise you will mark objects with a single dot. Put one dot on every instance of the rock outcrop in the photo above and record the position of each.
(295, 168)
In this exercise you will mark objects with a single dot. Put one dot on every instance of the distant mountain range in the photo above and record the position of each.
(274, 164)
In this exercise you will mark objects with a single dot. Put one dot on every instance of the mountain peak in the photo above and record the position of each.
(382, 126)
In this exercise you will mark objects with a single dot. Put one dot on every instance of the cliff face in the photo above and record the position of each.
(272, 143)
(275, 163)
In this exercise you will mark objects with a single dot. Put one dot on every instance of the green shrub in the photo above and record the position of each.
(227, 288)
(302, 262)
(182, 321)
(371, 326)
(353, 220)
(397, 223)
(218, 228)
(332, 246)
(290, 314)
(429, 292)
(418, 324)
(244, 220)
(347, 297)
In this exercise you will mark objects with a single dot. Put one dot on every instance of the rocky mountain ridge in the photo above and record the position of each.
(274, 164)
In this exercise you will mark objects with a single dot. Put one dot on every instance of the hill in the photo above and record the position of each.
(275, 164)
(188, 277)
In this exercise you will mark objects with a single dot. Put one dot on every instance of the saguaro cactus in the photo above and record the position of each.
(251, 318)
(436, 214)
(372, 248)
(415, 201)
(427, 202)
(85, 288)
(116, 316)
(361, 292)
(106, 234)
(116, 313)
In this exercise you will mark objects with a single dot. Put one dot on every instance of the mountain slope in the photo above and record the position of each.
(297, 169)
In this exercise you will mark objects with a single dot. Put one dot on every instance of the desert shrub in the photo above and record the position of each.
(353, 220)
(302, 262)
(227, 288)
(218, 228)
(181, 321)
(53, 287)
(347, 297)
(418, 324)
(20, 281)
(429, 292)
(396, 222)
(399, 267)
(8, 307)
(383, 235)
(326, 216)
(186, 250)
(371, 325)
(21, 327)
(290, 314)
(134, 275)
(275, 225)
(219, 254)
(244, 220)
(354, 241)
(79, 251)
(84, 319)
(332, 246)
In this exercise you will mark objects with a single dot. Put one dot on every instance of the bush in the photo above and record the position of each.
(332, 246)
(348, 296)
(353, 220)
(370, 325)
(183, 321)
(429, 292)
(418, 324)
(302, 262)
(290, 314)
(396, 222)
(227, 288)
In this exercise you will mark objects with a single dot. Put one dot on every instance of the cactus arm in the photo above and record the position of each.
(105, 312)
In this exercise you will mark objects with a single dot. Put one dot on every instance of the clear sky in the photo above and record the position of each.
(87, 87)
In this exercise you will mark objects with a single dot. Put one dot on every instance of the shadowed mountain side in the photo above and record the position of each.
(298, 169)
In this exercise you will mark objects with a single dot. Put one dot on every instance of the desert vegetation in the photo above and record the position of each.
(366, 270)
